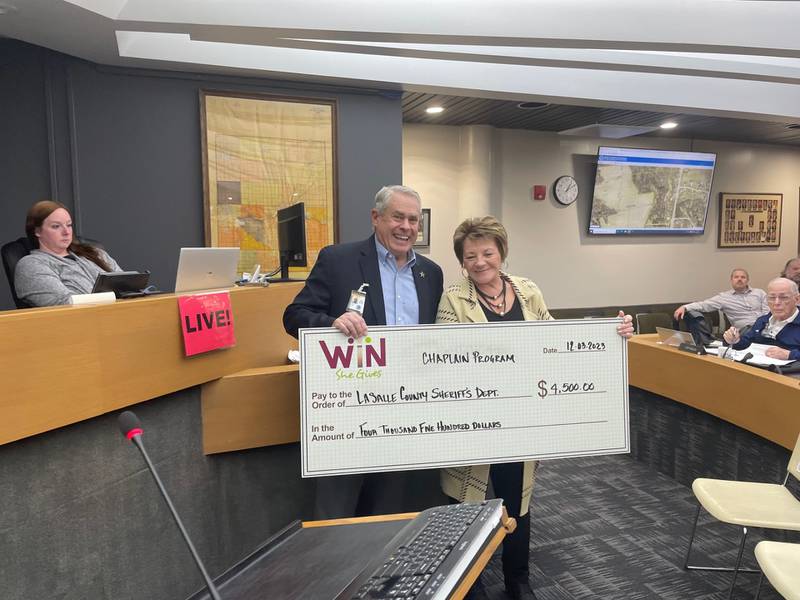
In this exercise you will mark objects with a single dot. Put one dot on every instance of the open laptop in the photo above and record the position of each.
(124, 284)
(206, 269)
(671, 337)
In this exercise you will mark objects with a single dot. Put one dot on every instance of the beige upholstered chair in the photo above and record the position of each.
(780, 563)
(747, 504)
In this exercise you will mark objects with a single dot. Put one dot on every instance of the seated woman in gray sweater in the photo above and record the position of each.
(61, 266)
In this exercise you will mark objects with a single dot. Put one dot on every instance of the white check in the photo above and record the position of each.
(443, 395)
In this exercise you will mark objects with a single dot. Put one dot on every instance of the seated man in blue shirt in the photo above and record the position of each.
(779, 328)
(403, 289)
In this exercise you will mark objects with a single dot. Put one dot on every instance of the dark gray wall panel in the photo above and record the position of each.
(379, 163)
(24, 160)
(138, 159)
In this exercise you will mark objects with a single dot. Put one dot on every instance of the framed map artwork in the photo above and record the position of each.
(262, 153)
(750, 220)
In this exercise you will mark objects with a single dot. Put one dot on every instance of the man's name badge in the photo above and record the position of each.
(358, 298)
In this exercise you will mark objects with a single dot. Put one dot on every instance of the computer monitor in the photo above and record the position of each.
(291, 238)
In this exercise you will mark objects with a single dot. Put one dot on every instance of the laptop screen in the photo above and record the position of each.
(206, 269)
(671, 337)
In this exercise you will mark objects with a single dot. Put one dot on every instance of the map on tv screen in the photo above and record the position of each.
(640, 191)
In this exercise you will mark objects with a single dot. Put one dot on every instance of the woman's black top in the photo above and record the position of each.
(515, 314)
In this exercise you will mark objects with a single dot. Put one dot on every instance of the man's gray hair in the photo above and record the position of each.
(786, 266)
(385, 194)
(793, 287)
(742, 270)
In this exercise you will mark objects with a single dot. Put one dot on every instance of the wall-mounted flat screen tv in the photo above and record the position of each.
(639, 191)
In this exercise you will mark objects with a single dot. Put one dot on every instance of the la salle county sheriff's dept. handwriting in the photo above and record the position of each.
(406, 396)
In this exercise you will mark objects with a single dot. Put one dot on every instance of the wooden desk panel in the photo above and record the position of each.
(61, 365)
(251, 409)
(760, 401)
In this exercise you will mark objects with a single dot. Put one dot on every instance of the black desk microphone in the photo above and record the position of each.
(131, 428)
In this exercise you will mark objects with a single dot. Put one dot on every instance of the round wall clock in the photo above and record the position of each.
(565, 189)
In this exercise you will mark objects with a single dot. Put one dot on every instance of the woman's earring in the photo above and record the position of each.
(464, 272)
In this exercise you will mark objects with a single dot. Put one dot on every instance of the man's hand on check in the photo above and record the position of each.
(625, 329)
(776, 352)
(351, 324)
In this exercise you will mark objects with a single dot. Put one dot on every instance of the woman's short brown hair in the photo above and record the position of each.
(480, 228)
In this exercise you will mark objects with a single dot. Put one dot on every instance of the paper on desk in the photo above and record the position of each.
(758, 351)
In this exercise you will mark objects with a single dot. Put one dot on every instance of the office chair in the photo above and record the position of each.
(11, 253)
(647, 322)
(711, 319)
(747, 504)
(780, 563)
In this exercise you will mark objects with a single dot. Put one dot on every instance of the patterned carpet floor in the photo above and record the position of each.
(610, 527)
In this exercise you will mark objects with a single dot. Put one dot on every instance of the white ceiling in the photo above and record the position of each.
(731, 58)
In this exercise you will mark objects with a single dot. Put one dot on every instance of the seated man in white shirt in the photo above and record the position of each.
(779, 328)
(741, 304)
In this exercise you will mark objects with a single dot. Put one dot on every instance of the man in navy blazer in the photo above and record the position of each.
(404, 288)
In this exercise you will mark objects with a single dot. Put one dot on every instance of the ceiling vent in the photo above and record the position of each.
(614, 132)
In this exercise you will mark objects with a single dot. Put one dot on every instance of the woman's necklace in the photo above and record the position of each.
(498, 307)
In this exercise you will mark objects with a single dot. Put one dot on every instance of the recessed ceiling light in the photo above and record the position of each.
(434, 110)
(532, 105)
(669, 125)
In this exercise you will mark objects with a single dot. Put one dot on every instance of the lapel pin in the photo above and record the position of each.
(422, 274)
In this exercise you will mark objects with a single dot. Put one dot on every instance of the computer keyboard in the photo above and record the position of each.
(430, 555)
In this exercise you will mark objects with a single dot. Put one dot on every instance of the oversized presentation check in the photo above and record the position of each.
(444, 395)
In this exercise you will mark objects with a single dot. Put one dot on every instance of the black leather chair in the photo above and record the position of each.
(711, 318)
(647, 322)
(11, 253)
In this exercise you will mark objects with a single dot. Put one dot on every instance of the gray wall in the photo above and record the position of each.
(121, 148)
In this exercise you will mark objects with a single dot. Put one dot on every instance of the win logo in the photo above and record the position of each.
(366, 354)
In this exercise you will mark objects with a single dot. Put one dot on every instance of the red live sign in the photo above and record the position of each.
(206, 322)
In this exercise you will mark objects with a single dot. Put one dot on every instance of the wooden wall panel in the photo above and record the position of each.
(252, 408)
(760, 401)
(61, 365)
